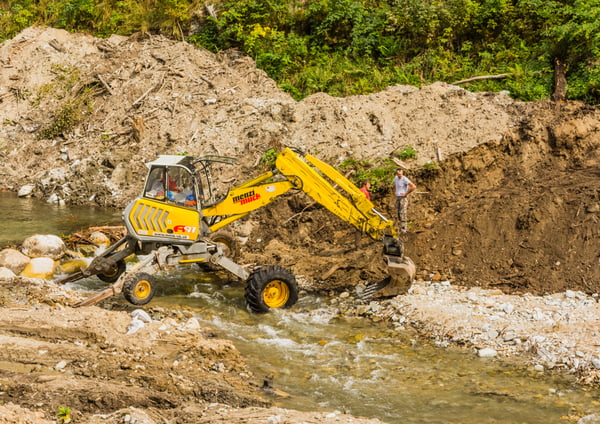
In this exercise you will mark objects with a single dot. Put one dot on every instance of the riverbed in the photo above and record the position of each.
(325, 360)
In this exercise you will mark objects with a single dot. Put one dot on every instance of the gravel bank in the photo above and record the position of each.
(557, 331)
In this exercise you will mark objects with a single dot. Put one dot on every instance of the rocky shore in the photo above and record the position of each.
(553, 332)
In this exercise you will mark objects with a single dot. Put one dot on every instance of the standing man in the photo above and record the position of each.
(402, 188)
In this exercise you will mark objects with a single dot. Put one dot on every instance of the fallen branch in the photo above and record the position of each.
(104, 84)
(143, 96)
(400, 163)
(483, 77)
(210, 83)
(330, 272)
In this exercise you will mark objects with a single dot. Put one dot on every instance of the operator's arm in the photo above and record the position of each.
(411, 187)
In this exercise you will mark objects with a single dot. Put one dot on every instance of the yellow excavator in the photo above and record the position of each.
(177, 220)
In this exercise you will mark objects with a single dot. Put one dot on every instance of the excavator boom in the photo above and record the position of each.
(345, 200)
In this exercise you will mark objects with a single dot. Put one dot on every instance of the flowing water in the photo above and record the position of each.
(327, 362)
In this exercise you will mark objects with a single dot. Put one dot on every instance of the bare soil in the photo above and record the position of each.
(512, 203)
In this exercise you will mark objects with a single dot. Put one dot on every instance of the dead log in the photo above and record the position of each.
(400, 163)
(57, 45)
(482, 77)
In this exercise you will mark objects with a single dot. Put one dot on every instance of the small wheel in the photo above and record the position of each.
(138, 289)
(114, 274)
(271, 287)
(228, 245)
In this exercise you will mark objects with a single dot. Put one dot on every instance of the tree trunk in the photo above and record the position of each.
(560, 81)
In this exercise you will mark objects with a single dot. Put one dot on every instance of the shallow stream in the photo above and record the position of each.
(353, 365)
(23, 217)
(327, 362)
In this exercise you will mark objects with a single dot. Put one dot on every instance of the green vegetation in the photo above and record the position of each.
(345, 47)
(64, 415)
(268, 158)
(379, 173)
(429, 170)
(408, 153)
(76, 101)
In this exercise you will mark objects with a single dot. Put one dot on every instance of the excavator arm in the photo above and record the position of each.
(310, 175)
(340, 197)
(326, 186)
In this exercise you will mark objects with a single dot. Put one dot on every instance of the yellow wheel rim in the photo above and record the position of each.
(142, 289)
(276, 294)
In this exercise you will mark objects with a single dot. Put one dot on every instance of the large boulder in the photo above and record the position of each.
(13, 260)
(44, 245)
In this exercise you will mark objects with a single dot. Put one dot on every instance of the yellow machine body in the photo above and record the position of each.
(159, 219)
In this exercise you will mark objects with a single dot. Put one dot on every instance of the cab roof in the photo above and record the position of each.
(172, 160)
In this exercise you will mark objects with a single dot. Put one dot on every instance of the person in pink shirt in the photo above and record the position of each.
(365, 188)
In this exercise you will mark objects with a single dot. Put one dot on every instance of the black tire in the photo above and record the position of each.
(139, 288)
(271, 287)
(115, 273)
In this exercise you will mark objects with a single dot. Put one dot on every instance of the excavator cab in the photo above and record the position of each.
(168, 209)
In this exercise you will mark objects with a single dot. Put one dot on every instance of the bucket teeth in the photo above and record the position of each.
(401, 274)
(370, 290)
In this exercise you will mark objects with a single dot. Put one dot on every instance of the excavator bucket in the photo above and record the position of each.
(401, 272)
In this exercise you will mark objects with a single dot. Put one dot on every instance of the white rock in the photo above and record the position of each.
(6, 274)
(590, 419)
(99, 238)
(55, 199)
(487, 353)
(13, 260)
(508, 308)
(61, 365)
(42, 267)
(134, 326)
(192, 324)
(44, 245)
(25, 191)
(141, 315)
